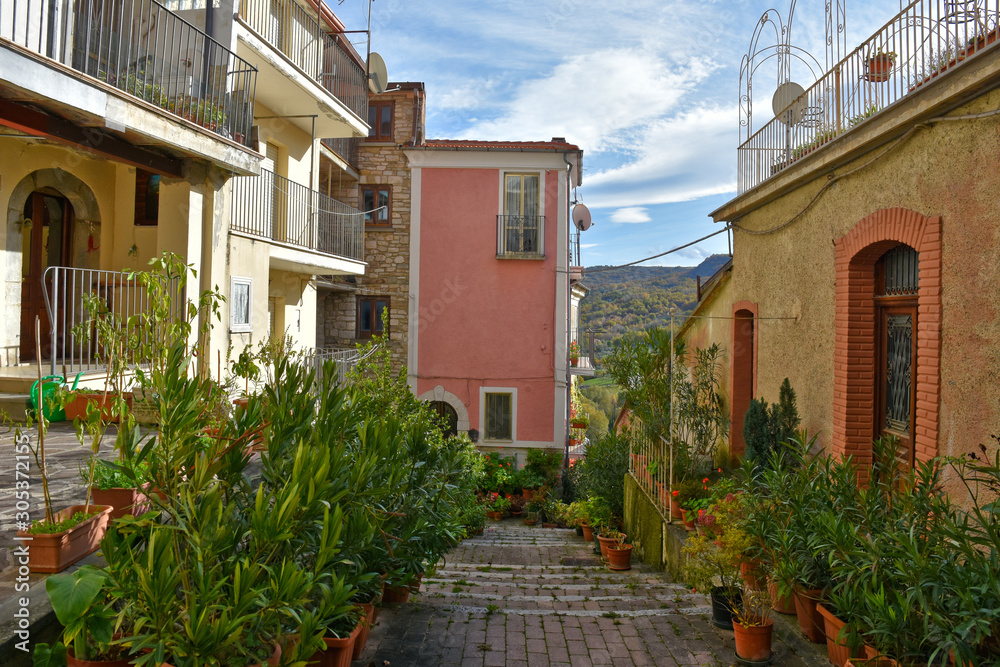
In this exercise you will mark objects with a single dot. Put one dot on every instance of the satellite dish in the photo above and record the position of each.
(788, 93)
(581, 217)
(378, 76)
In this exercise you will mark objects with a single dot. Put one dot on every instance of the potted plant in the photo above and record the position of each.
(496, 506)
(879, 65)
(530, 518)
(752, 625)
(608, 536)
(686, 494)
(714, 555)
(516, 505)
(620, 554)
(580, 420)
(110, 486)
(574, 353)
(81, 602)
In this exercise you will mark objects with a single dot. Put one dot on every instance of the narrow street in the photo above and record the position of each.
(525, 596)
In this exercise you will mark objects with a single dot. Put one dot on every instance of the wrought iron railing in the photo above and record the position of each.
(344, 360)
(927, 39)
(346, 148)
(142, 48)
(651, 466)
(294, 31)
(74, 342)
(520, 235)
(585, 342)
(272, 207)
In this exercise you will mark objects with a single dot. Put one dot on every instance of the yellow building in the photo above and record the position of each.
(133, 128)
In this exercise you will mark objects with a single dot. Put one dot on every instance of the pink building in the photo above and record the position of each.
(490, 297)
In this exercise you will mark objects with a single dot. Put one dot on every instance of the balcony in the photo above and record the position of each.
(587, 363)
(143, 49)
(313, 65)
(520, 236)
(310, 231)
(345, 149)
(928, 39)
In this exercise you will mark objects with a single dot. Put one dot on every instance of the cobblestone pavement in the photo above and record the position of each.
(522, 596)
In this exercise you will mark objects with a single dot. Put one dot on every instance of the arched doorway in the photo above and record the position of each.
(46, 240)
(64, 230)
(744, 372)
(448, 416)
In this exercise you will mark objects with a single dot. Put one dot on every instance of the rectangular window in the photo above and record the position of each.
(377, 197)
(521, 225)
(241, 305)
(499, 417)
(147, 199)
(380, 121)
(370, 310)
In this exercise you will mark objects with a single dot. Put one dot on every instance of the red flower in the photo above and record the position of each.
(705, 481)
(675, 493)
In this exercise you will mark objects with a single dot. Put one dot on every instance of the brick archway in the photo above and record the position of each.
(854, 354)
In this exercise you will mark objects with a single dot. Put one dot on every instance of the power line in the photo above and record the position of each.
(662, 254)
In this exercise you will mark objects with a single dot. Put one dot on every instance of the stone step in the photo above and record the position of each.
(13, 405)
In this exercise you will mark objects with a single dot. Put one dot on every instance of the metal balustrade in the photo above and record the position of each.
(585, 340)
(927, 39)
(293, 31)
(272, 207)
(651, 466)
(344, 360)
(347, 149)
(74, 341)
(520, 235)
(142, 48)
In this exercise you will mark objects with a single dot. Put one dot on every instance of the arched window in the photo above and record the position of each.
(449, 415)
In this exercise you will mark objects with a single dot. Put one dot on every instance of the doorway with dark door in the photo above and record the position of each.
(46, 237)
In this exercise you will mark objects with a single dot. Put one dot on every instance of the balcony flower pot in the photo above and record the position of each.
(366, 627)
(573, 361)
(620, 557)
(753, 642)
(810, 620)
(54, 552)
(588, 532)
(124, 502)
(781, 604)
(723, 601)
(836, 643)
(878, 67)
(579, 423)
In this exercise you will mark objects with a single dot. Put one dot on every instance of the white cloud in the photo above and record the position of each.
(631, 214)
(585, 246)
(601, 100)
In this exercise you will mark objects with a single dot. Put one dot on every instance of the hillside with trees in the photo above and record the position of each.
(634, 298)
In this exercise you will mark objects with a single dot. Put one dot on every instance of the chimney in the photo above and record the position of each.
(558, 140)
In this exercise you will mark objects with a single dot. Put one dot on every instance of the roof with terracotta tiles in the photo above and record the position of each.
(468, 144)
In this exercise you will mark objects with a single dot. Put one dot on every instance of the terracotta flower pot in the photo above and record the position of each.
(530, 522)
(675, 510)
(527, 494)
(78, 405)
(588, 532)
(415, 584)
(620, 557)
(782, 605)
(54, 552)
(546, 524)
(391, 595)
(366, 627)
(810, 620)
(753, 642)
(124, 502)
(496, 516)
(688, 523)
(836, 643)
(751, 572)
(73, 661)
(605, 542)
(338, 651)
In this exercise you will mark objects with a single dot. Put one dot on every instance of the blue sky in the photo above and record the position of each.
(649, 91)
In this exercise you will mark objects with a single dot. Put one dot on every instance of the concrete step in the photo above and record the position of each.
(13, 405)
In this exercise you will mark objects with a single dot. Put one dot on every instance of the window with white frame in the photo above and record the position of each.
(520, 227)
(499, 416)
(241, 304)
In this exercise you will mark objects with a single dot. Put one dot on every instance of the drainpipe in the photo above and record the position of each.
(569, 309)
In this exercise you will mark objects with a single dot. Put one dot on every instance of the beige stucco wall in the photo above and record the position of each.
(294, 147)
(935, 172)
(711, 324)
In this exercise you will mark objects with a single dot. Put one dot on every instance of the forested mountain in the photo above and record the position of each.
(635, 298)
